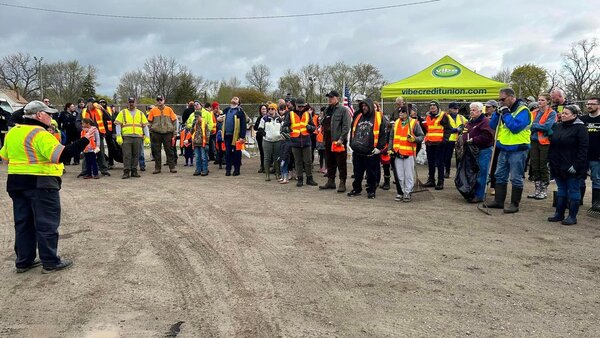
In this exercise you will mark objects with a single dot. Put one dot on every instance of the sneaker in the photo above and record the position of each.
(236, 173)
(353, 193)
(398, 198)
(371, 195)
(196, 173)
(284, 181)
(143, 169)
(106, 173)
(204, 173)
(407, 198)
(64, 264)
(35, 264)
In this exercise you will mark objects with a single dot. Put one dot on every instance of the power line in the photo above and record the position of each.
(262, 17)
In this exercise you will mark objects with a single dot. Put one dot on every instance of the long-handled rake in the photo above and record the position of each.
(482, 206)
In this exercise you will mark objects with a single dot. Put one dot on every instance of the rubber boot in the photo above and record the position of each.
(277, 170)
(561, 206)
(582, 191)
(430, 183)
(125, 174)
(537, 190)
(329, 185)
(573, 209)
(268, 174)
(440, 184)
(543, 194)
(300, 181)
(134, 173)
(515, 199)
(386, 183)
(499, 197)
(342, 187)
(310, 181)
(596, 200)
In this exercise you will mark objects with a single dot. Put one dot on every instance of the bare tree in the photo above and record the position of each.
(161, 76)
(289, 82)
(233, 82)
(554, 79)
(259, 77)
(340, 73)
(503, 76)
(369, 80)
(63, 81)
(312, 80)
(19, 72)
(581, 69)
(131, 84)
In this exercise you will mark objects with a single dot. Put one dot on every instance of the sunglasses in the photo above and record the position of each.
(502, 99)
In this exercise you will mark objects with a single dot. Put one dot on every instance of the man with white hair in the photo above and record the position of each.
(559, 100)
(35, 165)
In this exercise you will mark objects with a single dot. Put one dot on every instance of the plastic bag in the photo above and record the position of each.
(422, 156)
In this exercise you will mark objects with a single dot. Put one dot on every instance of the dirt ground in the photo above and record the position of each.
(241, 257)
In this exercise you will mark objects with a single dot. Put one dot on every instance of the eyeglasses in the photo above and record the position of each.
(592, 104)
(502, 99)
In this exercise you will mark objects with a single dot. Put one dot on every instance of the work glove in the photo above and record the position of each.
(504, 110)
(469, 140)
(572, 170)
(186, 142)
(376, 151)
(119, 140)
(454, 130)
(146, 141)
(97, 150)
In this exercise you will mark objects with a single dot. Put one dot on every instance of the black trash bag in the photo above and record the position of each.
(467, 170)
(114, 149)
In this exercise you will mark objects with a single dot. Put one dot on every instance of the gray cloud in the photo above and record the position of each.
(480, 34)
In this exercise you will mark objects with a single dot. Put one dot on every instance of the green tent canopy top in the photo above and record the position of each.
(444, 80)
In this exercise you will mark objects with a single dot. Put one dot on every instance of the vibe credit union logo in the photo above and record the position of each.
(446, 70)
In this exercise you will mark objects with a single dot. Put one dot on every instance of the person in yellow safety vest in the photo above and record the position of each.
(206, 115)
(131, 129)
(35, 166)
(513, 141)
(457, 122)
(94, 112)
(437, 126)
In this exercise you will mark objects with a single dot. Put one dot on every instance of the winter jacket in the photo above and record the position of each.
(271, 126)
(240, 132)
(362, 138)
(186, 113)
(480, 132)
(568, 147)
(340, 122)
(545, 128)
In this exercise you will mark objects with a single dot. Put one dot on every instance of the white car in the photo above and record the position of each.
(6, 106)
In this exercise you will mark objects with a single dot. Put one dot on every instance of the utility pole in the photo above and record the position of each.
(39, 62)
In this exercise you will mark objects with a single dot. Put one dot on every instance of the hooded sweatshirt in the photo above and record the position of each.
(362, 137)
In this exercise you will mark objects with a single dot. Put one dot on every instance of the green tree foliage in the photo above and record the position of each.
(528, 80)
(89, 83)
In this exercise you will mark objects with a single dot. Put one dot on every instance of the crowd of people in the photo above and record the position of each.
(492, 147)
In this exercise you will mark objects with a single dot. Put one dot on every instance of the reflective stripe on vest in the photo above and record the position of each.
(130, 128)
(299, 127)
(454, 123)
(401, 144)
(96, 116)
(214, 126)
(24, 158)
(435, 131)
(109, 122)
(92, 144)
(508, 138)
(542, 138)
(376, 126)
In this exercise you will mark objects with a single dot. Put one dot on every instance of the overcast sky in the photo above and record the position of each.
(484, 35)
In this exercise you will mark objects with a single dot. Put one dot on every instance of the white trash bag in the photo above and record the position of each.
(422, 156)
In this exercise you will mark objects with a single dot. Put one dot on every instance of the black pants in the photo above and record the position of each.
(313, 145)
(335, 161)
(37, 217)
(261, 150)
(449, 151)
(435, 160)
(110, 145)
(211, 147)
(233, 157)
(220, 153)
(370, 164)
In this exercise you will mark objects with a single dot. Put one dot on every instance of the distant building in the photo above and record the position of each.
(16, 101)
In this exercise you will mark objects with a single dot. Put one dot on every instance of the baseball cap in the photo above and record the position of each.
(491, 103)
(91, 99)
(131, 99)
(102, 101)
(38, 106)
(160, 98)
(300, 101)
(332, 94)
(453, 105)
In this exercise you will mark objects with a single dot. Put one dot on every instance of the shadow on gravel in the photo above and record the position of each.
(175, 329)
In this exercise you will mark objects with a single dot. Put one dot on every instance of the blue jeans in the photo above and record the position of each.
(284, 167)
(568, 188)
(142, 157)
(595, 174)
(511, 163)
(483, 160)
(201, 159)
(37, 217)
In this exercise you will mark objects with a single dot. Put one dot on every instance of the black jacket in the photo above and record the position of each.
(186, 113)
(568, 147)
(362, 140)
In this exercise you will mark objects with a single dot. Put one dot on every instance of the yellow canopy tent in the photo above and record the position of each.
(446, 79)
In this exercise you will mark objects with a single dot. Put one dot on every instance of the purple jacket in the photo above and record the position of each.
(480, 131)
